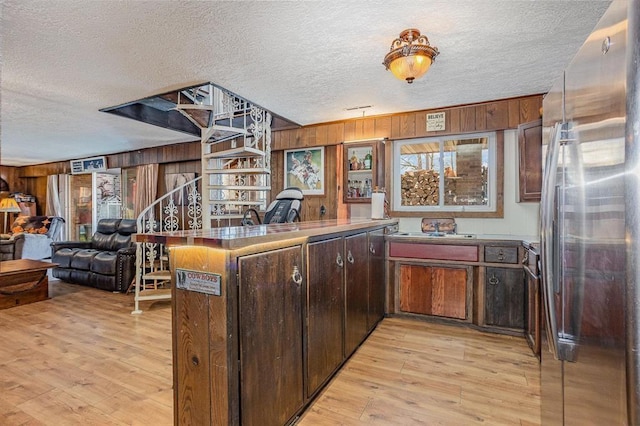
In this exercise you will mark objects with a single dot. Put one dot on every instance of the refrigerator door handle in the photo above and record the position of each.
(561, 345)
(549, 281)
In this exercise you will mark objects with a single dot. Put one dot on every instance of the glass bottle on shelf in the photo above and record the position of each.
(363, 168)
(367, 161)
(367, 189)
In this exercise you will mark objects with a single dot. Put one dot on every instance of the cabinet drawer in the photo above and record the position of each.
(501, 254)
(434, 251)
(531, 262)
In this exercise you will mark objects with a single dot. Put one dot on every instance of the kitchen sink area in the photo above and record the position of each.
(437, 229)
(434, 235)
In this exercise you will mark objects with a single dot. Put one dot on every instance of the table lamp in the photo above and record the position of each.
(8, 205)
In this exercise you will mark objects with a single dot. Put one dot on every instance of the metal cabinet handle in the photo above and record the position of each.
(525, 258)
(296, 276)
(500, 255)
(493, 280)
(339, 260)
(349, 257)
(372, 249)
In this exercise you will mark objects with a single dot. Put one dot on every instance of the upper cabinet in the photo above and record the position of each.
(363, 170)
(530, 157)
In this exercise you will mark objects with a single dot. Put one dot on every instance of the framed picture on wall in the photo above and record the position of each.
(89, 165)
(304, 169)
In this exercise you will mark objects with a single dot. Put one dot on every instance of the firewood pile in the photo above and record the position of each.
(420, 188)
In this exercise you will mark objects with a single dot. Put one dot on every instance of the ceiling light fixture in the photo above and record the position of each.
(410, 55)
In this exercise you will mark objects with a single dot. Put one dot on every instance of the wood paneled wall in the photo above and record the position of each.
(312, 204)
(185, 157)
(12, 176)
(176, 158)
(175, 153)
(488, 116)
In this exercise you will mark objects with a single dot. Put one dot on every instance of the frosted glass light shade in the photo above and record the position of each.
(410, 55)
(410, 67)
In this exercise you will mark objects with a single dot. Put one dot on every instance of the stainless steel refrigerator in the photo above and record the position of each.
(590, 226)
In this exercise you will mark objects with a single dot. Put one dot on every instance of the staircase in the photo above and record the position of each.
(236, 171)
(236, 153)
(153, 278)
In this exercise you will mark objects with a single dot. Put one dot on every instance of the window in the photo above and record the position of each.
(445, 174)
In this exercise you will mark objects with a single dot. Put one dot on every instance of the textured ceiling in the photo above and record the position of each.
(307, 61)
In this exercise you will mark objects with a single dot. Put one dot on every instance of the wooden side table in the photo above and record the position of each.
(23, 281)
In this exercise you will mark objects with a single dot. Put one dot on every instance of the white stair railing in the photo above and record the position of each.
(153, 278)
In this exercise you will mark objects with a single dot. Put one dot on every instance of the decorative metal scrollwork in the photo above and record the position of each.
(171, 218)
(194, 209)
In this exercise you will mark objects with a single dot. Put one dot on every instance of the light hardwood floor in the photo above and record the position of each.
(417, 373)
(81, 358)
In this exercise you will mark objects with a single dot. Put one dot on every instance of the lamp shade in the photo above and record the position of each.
(9, 205)
(410, 56)
(410, 67)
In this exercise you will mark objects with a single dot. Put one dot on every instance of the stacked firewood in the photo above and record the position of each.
(419, 188)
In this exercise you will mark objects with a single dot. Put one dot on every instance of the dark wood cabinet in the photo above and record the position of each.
(533, 308)
(356, 291)
(377, 278)
(258, 320)
(501, 254)
(324, 310)
(435, 290)
(504, 297)
(480, 283)
(270, 311)
(530, 161)
(532, 325)
(346, 298)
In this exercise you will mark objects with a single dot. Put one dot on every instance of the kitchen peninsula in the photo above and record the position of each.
(263, 316)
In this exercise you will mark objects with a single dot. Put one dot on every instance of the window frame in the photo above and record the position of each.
(494, 209)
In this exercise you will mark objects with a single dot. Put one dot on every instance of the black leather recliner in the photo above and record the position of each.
(284, 209)
(107, 262)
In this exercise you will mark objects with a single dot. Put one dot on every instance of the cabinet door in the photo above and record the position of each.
(532, 314)
(356, 291)
(377, 278)
(270, 310)
(325, 310)
(530, 153)
(504, 292)
(434, 290)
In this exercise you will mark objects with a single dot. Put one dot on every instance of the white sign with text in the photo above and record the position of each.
(201, 282)
(435, 121)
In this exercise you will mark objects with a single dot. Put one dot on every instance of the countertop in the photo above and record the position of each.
(527, 240)
(233, 237)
